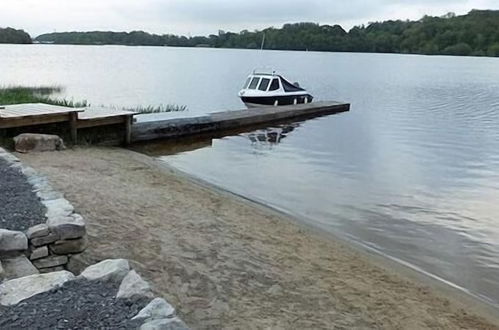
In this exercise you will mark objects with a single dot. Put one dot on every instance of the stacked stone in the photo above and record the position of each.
(49, 246)
(13, 245)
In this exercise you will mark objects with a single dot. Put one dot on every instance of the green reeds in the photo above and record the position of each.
(44, 94)
(158, 109)
(39, 94)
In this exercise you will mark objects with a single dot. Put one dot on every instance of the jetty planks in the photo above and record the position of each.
(229, 120)
(31, 114)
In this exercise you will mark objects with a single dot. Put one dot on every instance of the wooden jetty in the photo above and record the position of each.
(28, 115)
(34, 114)
(230, 120)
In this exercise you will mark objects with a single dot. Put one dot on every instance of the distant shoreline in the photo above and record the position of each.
(473, 34)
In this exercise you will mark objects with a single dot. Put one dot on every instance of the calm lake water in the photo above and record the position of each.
(411, 171)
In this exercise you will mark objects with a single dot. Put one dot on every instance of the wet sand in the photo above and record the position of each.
(227, 263)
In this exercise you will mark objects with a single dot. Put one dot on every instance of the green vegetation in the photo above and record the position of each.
(20, 94)
(12, 36)
(158, 109)
(476, 33)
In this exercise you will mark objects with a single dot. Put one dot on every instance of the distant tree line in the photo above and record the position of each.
(476, 33)
(12, 36)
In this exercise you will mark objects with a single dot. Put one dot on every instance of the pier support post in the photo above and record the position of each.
(128, 129)
(73, 117)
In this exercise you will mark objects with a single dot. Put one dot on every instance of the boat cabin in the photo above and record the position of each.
(272, 89)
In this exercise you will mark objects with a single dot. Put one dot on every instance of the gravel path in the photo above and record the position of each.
(21, 208)
(76, 305)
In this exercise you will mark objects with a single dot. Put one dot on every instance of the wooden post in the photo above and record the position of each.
(73, 117)
(128, 129)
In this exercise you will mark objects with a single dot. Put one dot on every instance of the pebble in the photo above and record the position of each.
(76, 305)
(21, 208)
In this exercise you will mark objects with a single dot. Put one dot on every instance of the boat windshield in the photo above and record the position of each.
(274, 85)
(264, 84)
(254, 83)
(246, 83)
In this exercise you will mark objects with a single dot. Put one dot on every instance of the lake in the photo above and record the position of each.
(412, 171)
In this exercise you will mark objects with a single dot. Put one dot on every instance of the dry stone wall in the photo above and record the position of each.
(45, 247)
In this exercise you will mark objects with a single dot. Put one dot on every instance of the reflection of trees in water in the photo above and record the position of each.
(272, 135)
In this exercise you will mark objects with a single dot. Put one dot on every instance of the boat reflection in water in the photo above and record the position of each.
(271, 136)
(261, 138)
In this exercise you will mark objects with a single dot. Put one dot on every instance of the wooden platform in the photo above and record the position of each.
(230, 120)
(32, 114)
(101, 116)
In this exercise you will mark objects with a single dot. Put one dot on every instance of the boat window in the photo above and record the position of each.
(274, 85)
(264, 84)
(254, 83)
(247, 83)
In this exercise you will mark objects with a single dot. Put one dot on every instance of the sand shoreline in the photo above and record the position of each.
(467, 299)
(227, 262)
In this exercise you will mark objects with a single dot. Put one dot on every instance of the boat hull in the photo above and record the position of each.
(255, 101)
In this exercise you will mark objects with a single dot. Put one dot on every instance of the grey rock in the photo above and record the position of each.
(38, 182)
(12, 241)
(17, 290)
(78, 262)
(58, 208)
(51, 269)
(18, 267)
(157, 309)
(48, 194)
(67, 227)
(2, 273)
(51, 261)
(165, 324)
(10, 158)
(69, 246)
(27, 171)
(38, 231)
(39, 241)
(39, 253)
(134, 287)
(108, 270)
(37, 143)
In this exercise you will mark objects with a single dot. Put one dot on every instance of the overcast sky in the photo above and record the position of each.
(202, 17)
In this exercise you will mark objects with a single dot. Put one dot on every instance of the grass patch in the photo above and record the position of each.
(44, 94)
(19, 94)
(158, 109)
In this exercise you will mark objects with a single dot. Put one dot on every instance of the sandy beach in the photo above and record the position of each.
(226, 263)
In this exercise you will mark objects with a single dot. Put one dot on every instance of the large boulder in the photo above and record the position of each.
(18, 267)
(17, 290)
(108, 270)
(11, 241)
(28, 142)
(67, 227)
(157, 309)
(134, 287)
